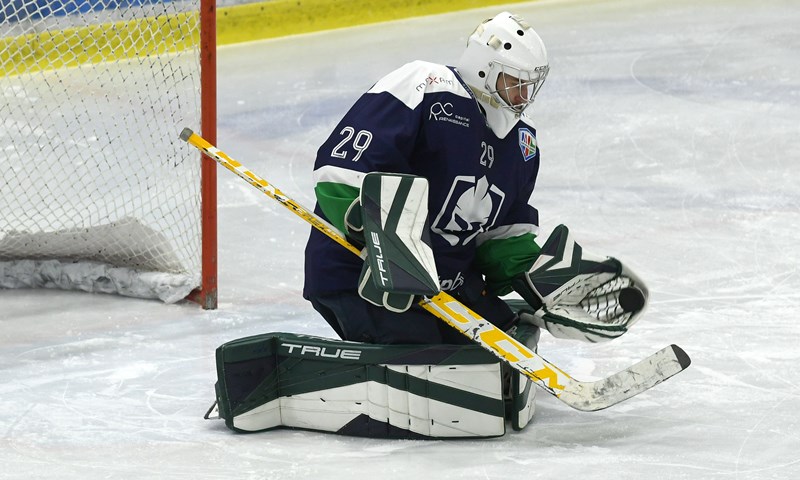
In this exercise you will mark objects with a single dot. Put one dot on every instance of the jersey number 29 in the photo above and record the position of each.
(360, 143)
(487, 155)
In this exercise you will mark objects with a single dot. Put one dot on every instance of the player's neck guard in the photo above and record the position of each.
(500, 120)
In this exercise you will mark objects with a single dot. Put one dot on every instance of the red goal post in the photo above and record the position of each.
(97, 192)
(206, 294)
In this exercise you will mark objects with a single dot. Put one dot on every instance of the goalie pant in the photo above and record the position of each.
(381, 391)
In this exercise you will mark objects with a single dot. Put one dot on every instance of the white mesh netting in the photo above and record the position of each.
(93, 100)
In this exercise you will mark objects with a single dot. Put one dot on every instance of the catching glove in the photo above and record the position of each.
(578, 295)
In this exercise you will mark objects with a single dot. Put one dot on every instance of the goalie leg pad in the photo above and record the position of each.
(382, 391)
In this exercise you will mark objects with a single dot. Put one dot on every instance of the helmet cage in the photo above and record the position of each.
(527, 84)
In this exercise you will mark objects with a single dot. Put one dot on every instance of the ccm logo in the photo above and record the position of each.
(323, 351)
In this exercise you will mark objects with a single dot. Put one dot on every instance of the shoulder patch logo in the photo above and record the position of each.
(527, 143)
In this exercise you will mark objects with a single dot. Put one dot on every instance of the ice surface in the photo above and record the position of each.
(669, 135)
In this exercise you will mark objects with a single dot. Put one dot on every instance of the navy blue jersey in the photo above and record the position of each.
(422, 120)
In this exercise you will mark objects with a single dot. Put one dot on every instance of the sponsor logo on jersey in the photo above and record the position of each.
(448, 284)
(472, 207)
(440, 109)
(434, 80)
(443, 112)
(527, 144)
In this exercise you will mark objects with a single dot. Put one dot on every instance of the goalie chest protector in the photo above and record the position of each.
(381, 391)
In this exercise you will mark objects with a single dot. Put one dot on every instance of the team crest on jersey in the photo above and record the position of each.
(527, 143)
(471, 207)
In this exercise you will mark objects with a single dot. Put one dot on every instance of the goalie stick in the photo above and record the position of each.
(585, 396)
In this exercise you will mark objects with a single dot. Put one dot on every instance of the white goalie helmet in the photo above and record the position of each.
(504, 45)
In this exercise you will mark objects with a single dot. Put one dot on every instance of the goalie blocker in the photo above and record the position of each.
(391, 217)
(381, 391)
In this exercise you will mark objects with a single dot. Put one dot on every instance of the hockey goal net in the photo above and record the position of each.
(97, 192)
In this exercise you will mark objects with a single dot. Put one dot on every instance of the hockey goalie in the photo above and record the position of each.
(431, 172)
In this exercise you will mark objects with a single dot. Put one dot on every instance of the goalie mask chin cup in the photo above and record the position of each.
(504, 45)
